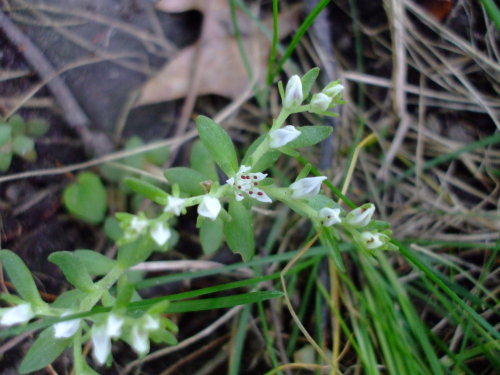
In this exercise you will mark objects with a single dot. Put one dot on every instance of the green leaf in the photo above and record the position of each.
(218, 144)
(310, 135)
(86, 198)
(17, 124)
(95, 263)
(266, 161)
(37, 127)
(74, 269)
(24, 147)
(5, 160)
(43, 352)
(20, 277)
(188, 180)
(112, 229)
(137, 160)
(5, 134)
(202, 161)
(147, 190)
(222, 302)
(158, 156)
(308, 80)
(211, 235)
(239, 231)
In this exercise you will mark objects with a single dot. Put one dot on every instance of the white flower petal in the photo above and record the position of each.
(138, 225)
(114, 325)
(101, 344)
(174, 205)
(209, 207)
(293, 92)
(361, 216)
(139, 339)
(16, 314)
(320, 102)
(330, 216)
(306, 187)
(243, 169)
(230, 181)
(150, 323)
(283, 136)
(66, 329)
(160, 233)
(261, 196)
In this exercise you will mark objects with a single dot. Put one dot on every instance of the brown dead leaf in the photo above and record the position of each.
(221, 68)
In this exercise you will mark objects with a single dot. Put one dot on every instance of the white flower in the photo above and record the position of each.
(15, 315)
(139, 340)
(66, 329)
(306, 187)
(361, 216)
(102, 335)
(160, 233)
(283, 136)
(174, 205)
(209, 207)
(320, 102)
(293, 92)
(137, 224)
(329, 216)
(140, 333)
(373, 240)
(333, 90)
(248, 183)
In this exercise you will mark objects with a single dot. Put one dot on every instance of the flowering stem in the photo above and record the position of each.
(298, 205)
(101, 287)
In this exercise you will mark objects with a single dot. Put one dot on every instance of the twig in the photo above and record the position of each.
(73, 114)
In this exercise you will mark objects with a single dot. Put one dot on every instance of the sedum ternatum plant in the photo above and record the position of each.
(100, 308)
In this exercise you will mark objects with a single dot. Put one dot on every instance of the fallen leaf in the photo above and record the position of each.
(222, 71)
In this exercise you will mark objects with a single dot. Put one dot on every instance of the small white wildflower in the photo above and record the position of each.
(151, 323)
(293, 92)
(138, 225)
(101, 344)
(373, 240)
(361, 216)
(306, 187)
(174, 205)
(283, 136)
(160, 233)
(139, 340)
(16, 315)
(66, 329)
(320, 102)
(102, 335)
(209, 207)
(248, 183)
(330, 216)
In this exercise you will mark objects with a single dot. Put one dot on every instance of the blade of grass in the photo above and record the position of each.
(493, 12)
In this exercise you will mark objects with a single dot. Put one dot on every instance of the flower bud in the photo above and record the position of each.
(306, 187)
(329, 216)
(209, 207)
(293, 92)
(16, 315)
(283, 136)
(320, 102)
(333, 90)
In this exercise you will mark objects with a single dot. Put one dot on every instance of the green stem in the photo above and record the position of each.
(298, 205)
(101, 287)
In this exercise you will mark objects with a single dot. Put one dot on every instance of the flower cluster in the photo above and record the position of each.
(136, 226)
(326, 99)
